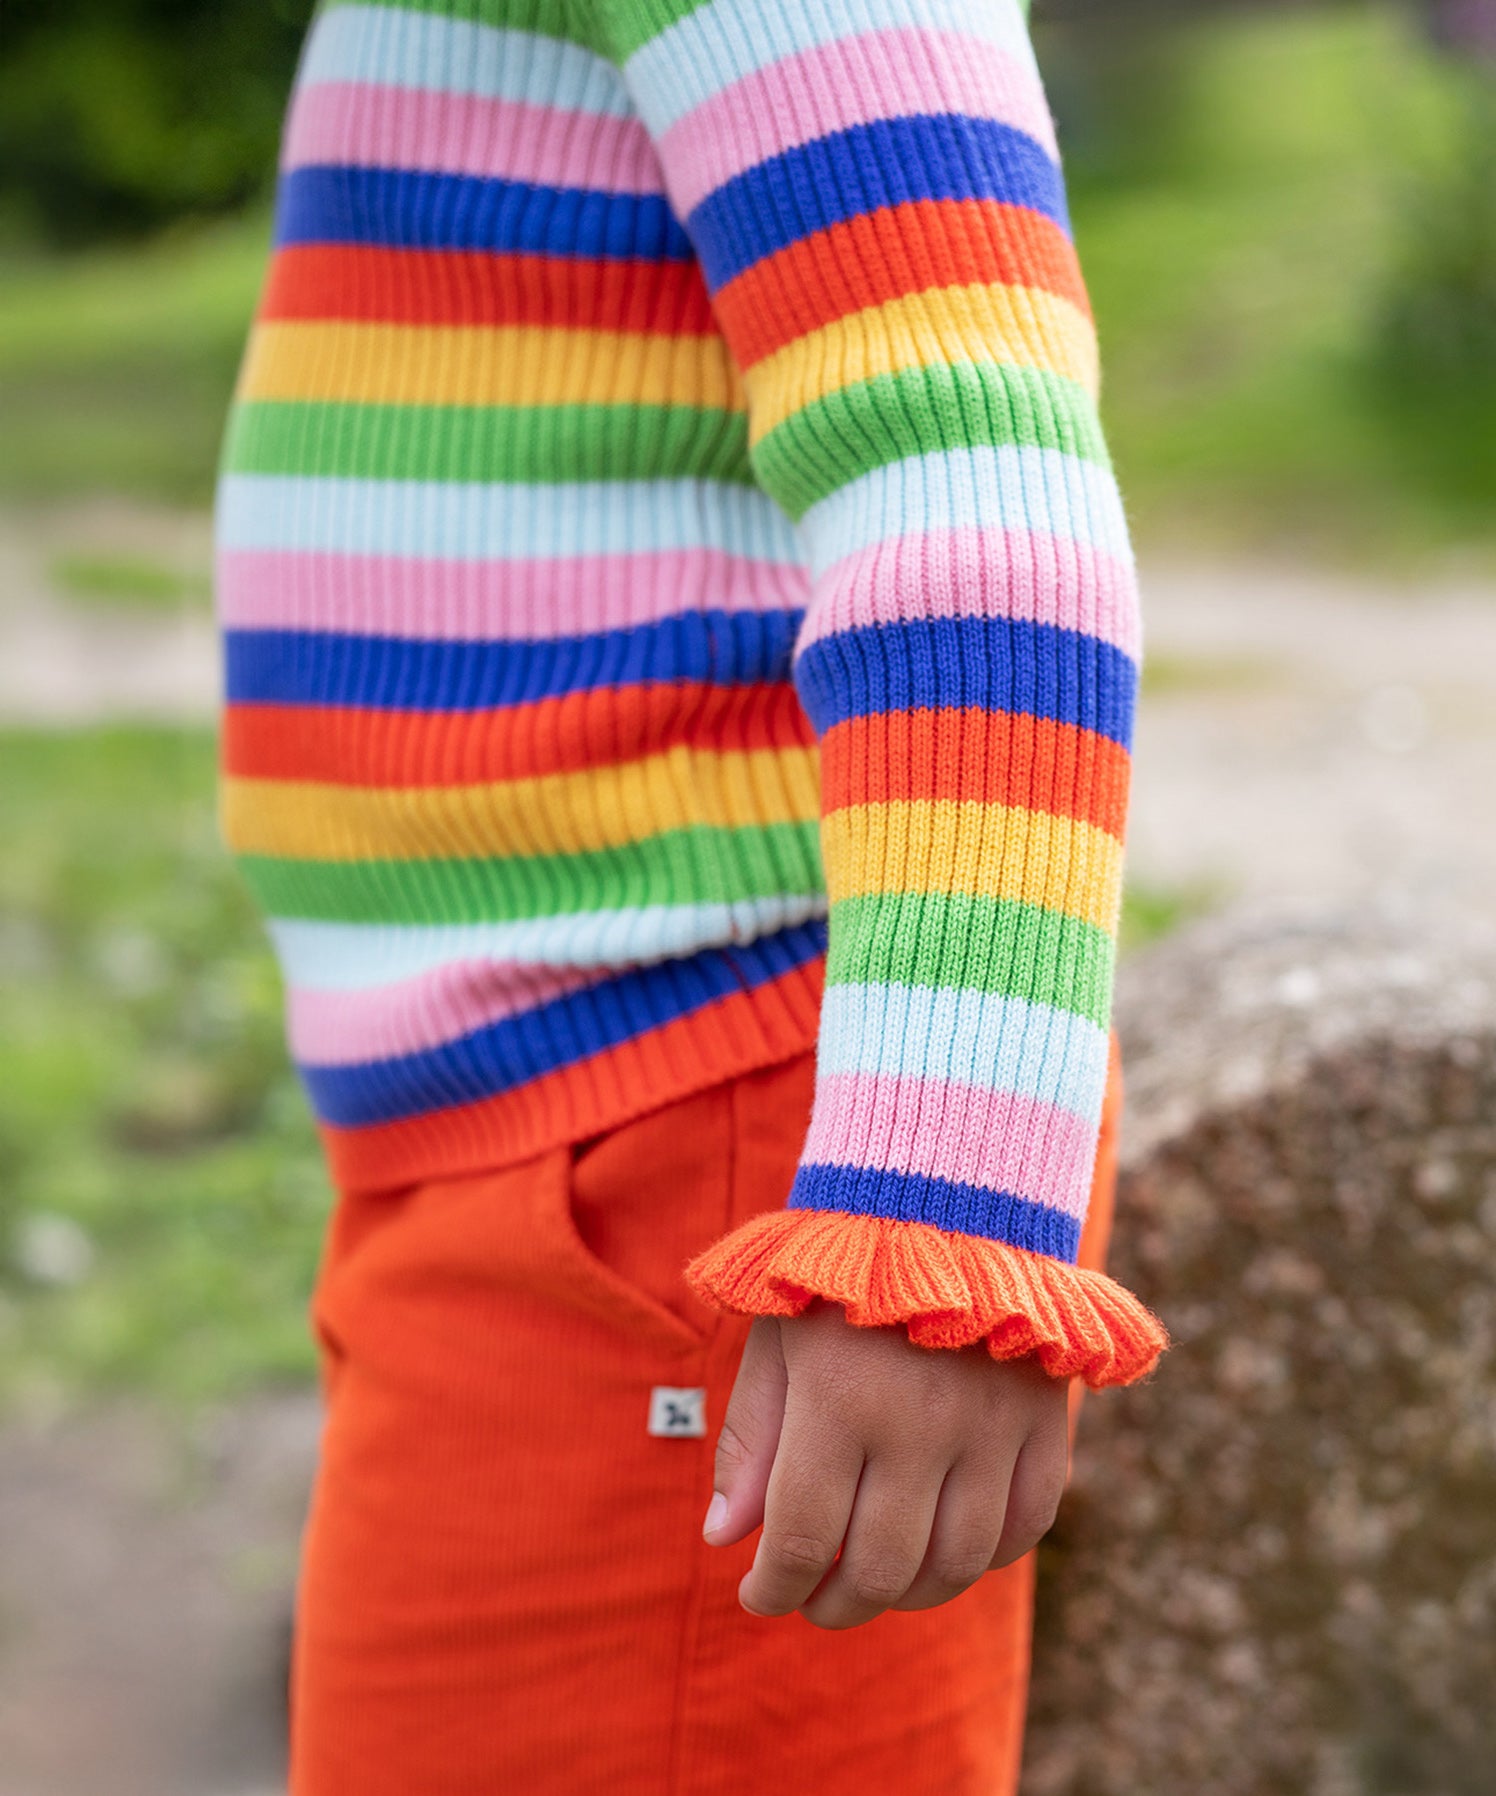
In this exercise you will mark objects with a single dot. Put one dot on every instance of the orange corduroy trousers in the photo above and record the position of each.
(504, 1585)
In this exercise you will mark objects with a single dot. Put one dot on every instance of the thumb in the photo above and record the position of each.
(749, 1438)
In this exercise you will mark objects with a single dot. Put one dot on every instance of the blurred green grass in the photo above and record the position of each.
(117, 364)
(161, 1196)
(1248, 191)
(1251, 201)
(129, 582)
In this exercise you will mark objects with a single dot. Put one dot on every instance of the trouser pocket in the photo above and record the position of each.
(645, 1198)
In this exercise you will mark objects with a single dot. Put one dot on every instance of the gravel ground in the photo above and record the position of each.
(1312, 737)
(72, 660)
(145, 1577)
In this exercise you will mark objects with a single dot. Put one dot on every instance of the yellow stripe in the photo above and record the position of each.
(984, 850)
(565, 813)
(398, 364)
(1024, 326)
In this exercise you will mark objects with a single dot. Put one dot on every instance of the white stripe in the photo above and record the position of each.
(397, 48)
(952, 489)
(469, 521)
(319, 956)
(976, 1038)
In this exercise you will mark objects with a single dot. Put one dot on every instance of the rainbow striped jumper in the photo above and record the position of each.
(669, 563)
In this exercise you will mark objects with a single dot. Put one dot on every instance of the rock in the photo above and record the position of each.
(1275, 1574)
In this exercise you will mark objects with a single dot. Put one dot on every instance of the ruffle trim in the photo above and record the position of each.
(947, 1290)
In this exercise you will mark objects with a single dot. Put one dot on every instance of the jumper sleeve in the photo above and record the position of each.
(873, 190)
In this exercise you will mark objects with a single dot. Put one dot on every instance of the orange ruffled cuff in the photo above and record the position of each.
(947, 1290)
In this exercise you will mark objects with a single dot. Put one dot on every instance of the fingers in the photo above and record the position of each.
(964, 1537)
(749, 1439)
(884, 1548)
(885, 1476)
(809, 1501)
(1034, 1494)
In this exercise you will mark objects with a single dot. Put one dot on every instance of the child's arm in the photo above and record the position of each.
(872, 188)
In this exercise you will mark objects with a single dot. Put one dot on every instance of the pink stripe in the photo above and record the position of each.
(368, 125)
(939, 1129)
(346, 1028)
(855, 81)
(970, 572)
(492, 601)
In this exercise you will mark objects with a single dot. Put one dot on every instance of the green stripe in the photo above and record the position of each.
(546, 18)
(893, 416)
(488, 443)
(689, 866)
(984, 944)
(632, 23)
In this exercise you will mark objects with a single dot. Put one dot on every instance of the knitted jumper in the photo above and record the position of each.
(665, 466)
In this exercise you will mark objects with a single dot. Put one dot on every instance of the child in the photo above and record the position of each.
(666, 464)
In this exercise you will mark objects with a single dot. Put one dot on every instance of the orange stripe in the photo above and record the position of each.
(406, 286)
(975, 756)
(733, 1035)
(889, 254)
(567, 734)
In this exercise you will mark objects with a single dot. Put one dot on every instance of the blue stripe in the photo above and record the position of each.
(509, 1053)
(393, 47)
(291, 667)
(943, 1203)
(887, 163)
(994, 663)
(416, 209)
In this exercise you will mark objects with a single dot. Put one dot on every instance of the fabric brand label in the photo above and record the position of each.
(677, 1414)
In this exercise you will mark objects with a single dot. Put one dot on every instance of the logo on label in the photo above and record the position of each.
(677, 1414)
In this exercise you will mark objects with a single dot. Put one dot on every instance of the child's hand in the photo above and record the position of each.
(922, 1468)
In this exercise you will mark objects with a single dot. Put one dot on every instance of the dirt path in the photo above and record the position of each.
(145, 1578)
(1308, 737)
(75, 657)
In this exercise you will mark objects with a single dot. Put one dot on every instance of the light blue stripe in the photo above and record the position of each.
(978, 1038)
(362, 956)
(716, 45)
(466, 521)
(398, 48)
(950, 489)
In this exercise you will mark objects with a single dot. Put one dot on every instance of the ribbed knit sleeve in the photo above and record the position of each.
(873, 190)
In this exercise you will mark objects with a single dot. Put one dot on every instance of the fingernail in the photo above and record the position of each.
(716, 1513)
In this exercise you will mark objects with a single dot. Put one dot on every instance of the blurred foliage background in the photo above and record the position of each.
(1288, 219)
(1287, 213)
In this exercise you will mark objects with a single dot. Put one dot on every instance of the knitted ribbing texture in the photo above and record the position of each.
(666, 537)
